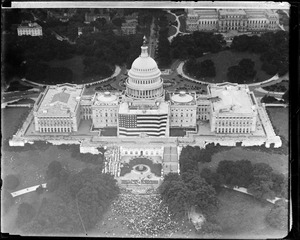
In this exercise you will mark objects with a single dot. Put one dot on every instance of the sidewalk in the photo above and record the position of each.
(116, 73)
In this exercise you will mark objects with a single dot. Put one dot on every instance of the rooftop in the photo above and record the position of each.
(105, 98)
(232, 11)
(182, 97)
(29, 25)
(60, 100)
(162, 108)
(232, 98)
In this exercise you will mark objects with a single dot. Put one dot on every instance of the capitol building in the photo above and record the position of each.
(145, 108)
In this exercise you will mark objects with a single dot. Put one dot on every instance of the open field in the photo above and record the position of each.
(278, 162)
(225, 59)
(242, 216)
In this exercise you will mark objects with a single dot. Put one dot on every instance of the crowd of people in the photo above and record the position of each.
(145, 215)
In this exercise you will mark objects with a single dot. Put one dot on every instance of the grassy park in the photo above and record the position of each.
(280, 120)
(225, 59)
(278, 162)
(242, 216)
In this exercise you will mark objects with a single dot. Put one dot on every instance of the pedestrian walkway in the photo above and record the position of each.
(176, 27)
(27, 190)
(116, 73)
(245, 191)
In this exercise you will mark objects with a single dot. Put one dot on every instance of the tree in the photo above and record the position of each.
(117, 22)
(40, 190)
(11, 182)
(262, 184)
(244, 71)
(191, 190)
(53, 184)
(94, 192)
(26, 213)
(211, 178)
(53, 170)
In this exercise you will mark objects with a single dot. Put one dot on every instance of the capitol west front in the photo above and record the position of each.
(145, 108)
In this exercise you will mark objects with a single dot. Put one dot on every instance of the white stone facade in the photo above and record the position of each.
(225, 20)
(138, 151)
(233, 109)
(31, 29)
(58, 109)
(183, 109)
(105, 110)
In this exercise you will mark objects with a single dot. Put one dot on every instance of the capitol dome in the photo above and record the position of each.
(144, 81)
(144, 66)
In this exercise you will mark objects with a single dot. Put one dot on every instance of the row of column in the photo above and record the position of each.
(233, 130)
(233, 23)
(144, 93)
(56, 129)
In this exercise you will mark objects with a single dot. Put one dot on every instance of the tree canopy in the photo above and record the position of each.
(11, 182)
(258, 178)
(84, 195)
(242, 72)
(186, 191)
(272, 46)
(195, 44)
(205, 68)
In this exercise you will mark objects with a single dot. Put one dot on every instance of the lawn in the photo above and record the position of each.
(171, 17)
(172, 31)
(242, 216)
(177, 132)
(110, 132)
(278, 87)
(280, 120)
(278, 162)
(225, 59)
(182, 24)
(75, 64)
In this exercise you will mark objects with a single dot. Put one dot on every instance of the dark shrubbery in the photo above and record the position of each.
(270, 99)
(17, 86)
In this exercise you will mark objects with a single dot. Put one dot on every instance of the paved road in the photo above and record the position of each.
(152, 40)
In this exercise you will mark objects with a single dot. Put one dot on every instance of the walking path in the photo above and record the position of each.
(273, 80)
(245, 190)
(177, 27)
(116, 73)
(27, 190)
